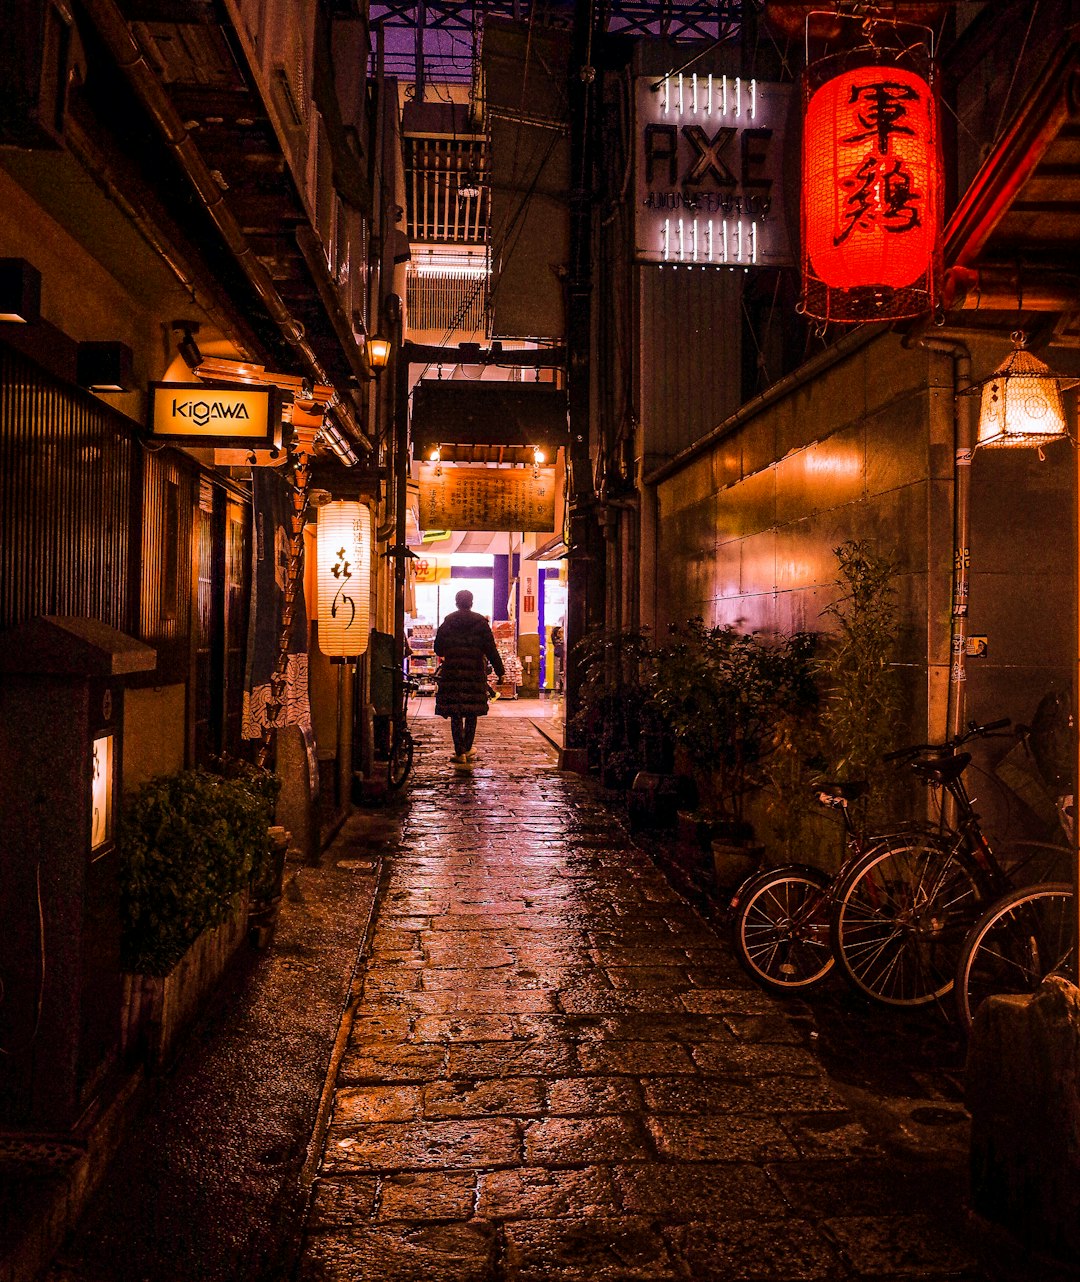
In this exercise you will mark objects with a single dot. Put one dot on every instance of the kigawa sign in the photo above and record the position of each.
(708, 171)
(215, 414)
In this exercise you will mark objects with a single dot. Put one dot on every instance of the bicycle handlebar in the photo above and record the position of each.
(973, 731)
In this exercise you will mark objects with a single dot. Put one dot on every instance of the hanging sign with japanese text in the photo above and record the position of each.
(709, 176)
(343, 571)
(487, 498)
(871, 207)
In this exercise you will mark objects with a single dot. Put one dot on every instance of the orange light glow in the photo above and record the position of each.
(871, 195)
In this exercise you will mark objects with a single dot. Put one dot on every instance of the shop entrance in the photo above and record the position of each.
(523, 598)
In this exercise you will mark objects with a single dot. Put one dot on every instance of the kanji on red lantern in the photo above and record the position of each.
(871, 195)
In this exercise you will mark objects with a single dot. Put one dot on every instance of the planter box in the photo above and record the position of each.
(733, 862)
(157, 1010)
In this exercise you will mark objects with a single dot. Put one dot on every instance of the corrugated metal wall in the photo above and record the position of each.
(690, 345)
(65, 500)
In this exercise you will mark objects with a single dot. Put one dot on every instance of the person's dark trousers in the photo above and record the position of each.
(463, 728)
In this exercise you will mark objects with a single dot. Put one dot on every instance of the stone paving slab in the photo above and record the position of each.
(557, 1073)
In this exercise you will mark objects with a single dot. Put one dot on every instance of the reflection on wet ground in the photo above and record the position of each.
(557, 1072)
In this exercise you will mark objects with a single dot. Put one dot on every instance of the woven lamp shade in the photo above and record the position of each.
(345, 546)
(1021, 404)
(871, 197)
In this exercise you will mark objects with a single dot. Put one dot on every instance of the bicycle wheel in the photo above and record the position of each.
(780, 928)
(901, 913)
(401, 758)
(1015, 945)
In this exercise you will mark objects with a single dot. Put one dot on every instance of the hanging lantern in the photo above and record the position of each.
(871, 193)
(1021, 402)
(344, 577)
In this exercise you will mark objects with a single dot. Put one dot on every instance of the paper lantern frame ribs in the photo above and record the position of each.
(871, 185)
(1020, 404)
(345, 545)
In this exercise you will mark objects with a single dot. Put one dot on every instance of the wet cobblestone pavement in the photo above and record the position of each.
(556, 1073)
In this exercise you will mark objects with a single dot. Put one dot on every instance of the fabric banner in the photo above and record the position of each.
(272, 513)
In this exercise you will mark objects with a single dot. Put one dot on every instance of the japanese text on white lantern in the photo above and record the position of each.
(344, 578)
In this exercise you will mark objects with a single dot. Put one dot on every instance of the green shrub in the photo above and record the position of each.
(188, 844)
(724, 694)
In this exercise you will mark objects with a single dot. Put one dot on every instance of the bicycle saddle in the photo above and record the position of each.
(841, 791)
(942, 769)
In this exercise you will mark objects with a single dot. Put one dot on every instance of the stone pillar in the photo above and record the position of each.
(1023, 1092)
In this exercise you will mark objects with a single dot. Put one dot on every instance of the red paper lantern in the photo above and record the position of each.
(871, 195)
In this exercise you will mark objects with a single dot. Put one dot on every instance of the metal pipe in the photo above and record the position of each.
(964, 452)
(127, 53)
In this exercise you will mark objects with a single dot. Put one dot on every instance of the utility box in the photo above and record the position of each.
(61, 729)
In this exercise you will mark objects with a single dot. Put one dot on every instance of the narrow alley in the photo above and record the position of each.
(556, 1071)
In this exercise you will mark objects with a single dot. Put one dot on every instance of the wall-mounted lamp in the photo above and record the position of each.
(1021, 402)
(20, 291)
(105, 367)
(187, 346)
(378, 352)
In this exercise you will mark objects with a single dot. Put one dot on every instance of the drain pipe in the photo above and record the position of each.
(964, 452)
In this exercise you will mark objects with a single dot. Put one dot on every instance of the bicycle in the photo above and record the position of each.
(781, 917)
(402, 747)
(1025, 935)
(899, 923)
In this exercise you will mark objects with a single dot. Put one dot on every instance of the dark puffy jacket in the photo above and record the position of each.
(466, 646)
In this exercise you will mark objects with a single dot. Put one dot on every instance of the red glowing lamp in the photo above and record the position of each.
(871, 196)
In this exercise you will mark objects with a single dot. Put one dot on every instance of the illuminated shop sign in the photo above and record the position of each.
(218, 414)
(708, 165)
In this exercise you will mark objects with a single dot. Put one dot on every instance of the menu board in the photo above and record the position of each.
(487, 498)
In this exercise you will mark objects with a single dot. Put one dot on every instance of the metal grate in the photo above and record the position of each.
(440, 175)
(65, 505)
(449, 299)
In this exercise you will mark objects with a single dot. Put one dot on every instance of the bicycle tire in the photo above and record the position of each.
(401, 759)
(900, 915)
(780, 928)
(1017, 942)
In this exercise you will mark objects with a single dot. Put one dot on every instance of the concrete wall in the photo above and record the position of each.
(863, 448)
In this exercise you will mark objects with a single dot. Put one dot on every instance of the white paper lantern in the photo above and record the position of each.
(1021, 403)
(345, 548)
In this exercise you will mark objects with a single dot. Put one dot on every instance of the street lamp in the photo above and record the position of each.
(378, 352)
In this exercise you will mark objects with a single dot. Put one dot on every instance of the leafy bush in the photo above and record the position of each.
(188, 844)
(724, 693)
(617, 719)
(862, 705)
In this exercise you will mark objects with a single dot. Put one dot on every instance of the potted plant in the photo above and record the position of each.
(722, 692)
(847, 732)
(617, 717)
(188, 844)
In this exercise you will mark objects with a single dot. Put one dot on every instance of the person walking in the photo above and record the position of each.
(466, 646)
